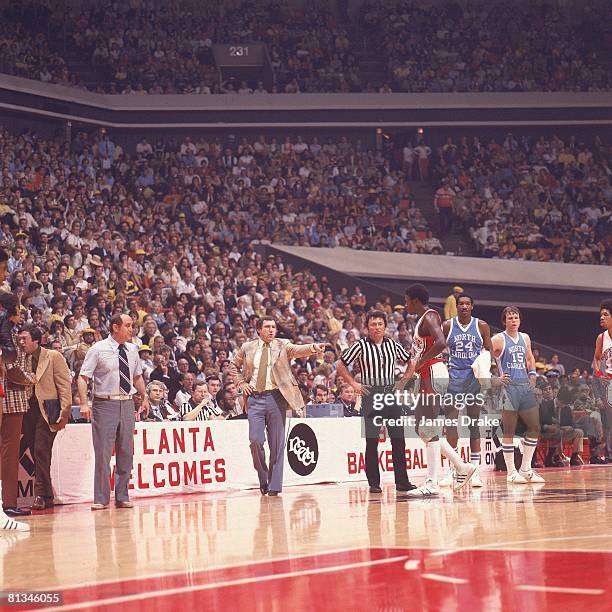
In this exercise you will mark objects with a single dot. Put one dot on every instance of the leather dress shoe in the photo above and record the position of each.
(263, 489)
(124, 504)
(41, 503)
(273, 493)
(16, 512)
(375, 490)
(405, 487)
(99, 506)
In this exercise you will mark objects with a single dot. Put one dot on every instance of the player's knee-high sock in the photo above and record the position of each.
(475, 457)
(432, 451)
(530, 447)
(508, 450)
(451, 453)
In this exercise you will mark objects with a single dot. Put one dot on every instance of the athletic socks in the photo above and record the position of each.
(432, 451)
(475, 458)
(529, 449)
(508, 450)
(451, 453)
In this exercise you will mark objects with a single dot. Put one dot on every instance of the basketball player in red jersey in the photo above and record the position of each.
(602, 365)
(427, 361)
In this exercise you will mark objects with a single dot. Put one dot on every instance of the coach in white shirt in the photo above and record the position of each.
(114, 366)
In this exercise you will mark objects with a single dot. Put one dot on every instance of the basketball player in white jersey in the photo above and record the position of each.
(427, 361)
(466, 337)
(512, 350)
(602, 365)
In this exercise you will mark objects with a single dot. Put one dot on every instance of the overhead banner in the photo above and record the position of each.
(171, 458)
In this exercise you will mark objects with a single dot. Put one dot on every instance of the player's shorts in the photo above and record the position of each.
(462, 382)
(604, 388)
(433, 378)
(517, 397)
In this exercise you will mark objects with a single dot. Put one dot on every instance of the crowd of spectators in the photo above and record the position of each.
(148, 47)
(166, 232)
(497, 46)
(541, 199)
(166, 48)
(572, 411)
(24, 46)
(169, 233)
(333, 194)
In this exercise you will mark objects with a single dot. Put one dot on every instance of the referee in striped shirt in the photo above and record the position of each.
(376, 356)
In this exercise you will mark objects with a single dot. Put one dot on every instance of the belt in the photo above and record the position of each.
(258, 393)
(116, 398)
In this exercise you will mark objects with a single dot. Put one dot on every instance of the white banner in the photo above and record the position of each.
(171, 458)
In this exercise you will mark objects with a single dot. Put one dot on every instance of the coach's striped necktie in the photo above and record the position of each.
(124, 371)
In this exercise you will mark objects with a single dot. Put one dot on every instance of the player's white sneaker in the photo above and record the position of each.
(448, 478)
(464, 475)
(531, 476)
(476, 481)
(8, 524)
(428, 489)
(515, 478)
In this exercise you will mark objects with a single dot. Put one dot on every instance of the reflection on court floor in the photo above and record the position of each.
(329, 547)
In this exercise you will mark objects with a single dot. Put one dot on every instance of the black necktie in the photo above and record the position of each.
(124, 371)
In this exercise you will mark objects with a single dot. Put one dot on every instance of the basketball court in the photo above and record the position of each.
(334, 547)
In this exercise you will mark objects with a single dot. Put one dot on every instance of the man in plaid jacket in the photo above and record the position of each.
(14, 407)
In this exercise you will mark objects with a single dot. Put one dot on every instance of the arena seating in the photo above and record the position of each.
(142, 47)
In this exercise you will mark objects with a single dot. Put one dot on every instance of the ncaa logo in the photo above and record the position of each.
(302, 449)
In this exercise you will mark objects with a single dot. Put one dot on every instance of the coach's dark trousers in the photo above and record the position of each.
(267, 414)
(371, 422)
(112, 424)
(39, 438)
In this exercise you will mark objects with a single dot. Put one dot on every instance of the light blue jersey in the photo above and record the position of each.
(513, 359)
(464, 345)
(518, 395)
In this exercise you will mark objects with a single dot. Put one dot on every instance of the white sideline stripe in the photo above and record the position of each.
(439, 578)
(551, 589)
(220, 585)
(212, 568)
(494, 545)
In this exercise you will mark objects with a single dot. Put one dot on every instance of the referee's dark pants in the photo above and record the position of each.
(372, 423)
(112, 425)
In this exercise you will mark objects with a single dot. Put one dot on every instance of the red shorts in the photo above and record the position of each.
(605, 385)
(433, 377)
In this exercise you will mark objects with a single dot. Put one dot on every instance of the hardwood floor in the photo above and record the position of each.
(329, 546)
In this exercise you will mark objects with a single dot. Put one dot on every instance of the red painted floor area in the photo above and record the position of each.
(372, 579)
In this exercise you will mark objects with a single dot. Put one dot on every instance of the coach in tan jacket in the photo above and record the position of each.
(52, 383)
(262, 369)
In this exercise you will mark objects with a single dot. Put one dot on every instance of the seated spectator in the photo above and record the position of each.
(319, 395)
(146, 360)
(201, 406)
(557, 365)
(586, 414)
(227, 402)
(160, 409)
(558, 427)
(350, 404)
(183, 395)
(166, 374)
